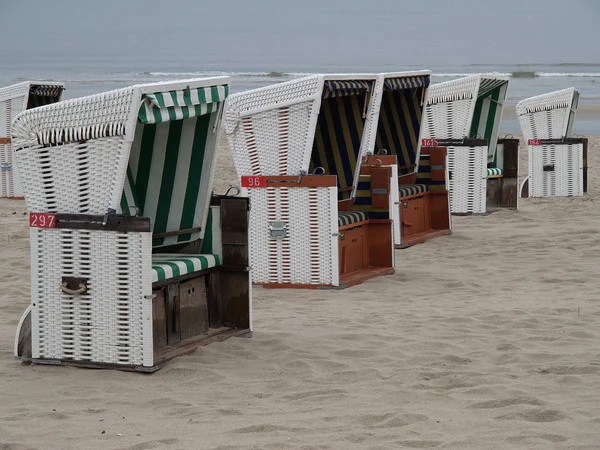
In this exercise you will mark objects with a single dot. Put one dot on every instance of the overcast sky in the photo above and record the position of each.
(294, 35)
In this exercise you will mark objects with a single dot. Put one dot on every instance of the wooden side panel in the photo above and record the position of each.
(511, 158)
(509, 185)
(494, 192)
(234, 231)
(438, 163)
(439, 210)
(380, 186)
(585, 164)
(380, 247)
(233, 292)
(352, 244)
(159, 319)
(193, 304)
(172, 303)
(413, 214)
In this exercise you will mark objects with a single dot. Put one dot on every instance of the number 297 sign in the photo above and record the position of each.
(254, 182)
(42, 220)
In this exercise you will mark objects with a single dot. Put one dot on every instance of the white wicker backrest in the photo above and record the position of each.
(270, 130)
(548, 116)
(74, 154)
(449, 108)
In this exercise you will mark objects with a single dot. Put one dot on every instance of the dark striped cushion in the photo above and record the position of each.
(350, 217)
(412, 189)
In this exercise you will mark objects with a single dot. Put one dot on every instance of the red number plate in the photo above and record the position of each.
(42, 220)
(429, 143)
(534, 142)
(254, 182)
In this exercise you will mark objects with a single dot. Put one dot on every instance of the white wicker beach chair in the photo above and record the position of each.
(13, 100)
(297, 147)
(464, 116)
(170, 272)
(421, 209)
(556, 161)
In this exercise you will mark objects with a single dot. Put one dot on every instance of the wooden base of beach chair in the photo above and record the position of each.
(424, 216)
(346, 281)
(162, 357)
(503, 189)
(364, 252)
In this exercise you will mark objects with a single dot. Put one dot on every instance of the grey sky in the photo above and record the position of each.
(298, 35)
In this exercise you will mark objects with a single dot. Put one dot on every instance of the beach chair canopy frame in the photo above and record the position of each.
(13, 100)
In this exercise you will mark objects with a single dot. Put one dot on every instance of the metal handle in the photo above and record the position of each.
(66, 290)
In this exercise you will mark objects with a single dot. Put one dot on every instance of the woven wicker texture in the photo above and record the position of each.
(111, 322)
(467, 185)
(13, 100)
(566, 177)
(270, 130)
(548, 116)
(309, 252)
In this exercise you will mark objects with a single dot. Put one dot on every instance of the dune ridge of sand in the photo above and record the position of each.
(488, 338)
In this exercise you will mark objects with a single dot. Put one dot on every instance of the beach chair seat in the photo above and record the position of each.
(161, 264)
(494, 172)
(407, 190)
(13, 100)
(348, 218)
(557, 161)
(401, 97)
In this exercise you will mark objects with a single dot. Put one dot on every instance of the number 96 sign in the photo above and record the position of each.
(254, 182)
(42, 220)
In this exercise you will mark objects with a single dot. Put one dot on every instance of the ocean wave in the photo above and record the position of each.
(219, 73)
(525, 74)
(560, 75)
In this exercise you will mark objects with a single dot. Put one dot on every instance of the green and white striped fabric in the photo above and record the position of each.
(171, 162)
(166, 266)
(494, 172)
(488, 112)
(212, 235)
(176, 105)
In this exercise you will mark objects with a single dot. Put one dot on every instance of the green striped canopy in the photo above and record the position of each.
(487, 85)
(176, 105)
(171, 162)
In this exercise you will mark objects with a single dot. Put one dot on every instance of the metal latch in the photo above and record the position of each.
(5, 166)
(278, 230)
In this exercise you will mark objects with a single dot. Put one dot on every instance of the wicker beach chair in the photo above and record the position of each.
(13, 100)
(297, 147)
(421, 210)
(464, 117)
(557, 162)
(134, 261)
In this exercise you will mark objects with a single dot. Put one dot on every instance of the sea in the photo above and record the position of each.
(525, 81)
(95, 46)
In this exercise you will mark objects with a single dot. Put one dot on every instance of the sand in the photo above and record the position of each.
(489, 338)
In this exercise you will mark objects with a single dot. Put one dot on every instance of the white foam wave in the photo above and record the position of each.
(575, 75)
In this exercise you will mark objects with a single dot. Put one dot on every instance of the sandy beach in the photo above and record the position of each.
(485, 339)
